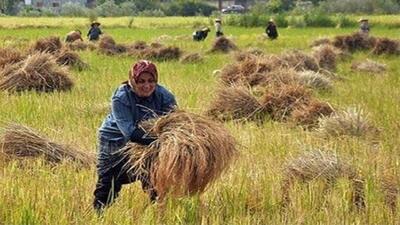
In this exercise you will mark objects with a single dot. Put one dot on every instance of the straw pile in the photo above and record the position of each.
(386, 46)
(299, 61)
(321, 41)
(280, 102)
(9, 56)
(223, 44)
(191, 58)
(351, 122)
(160, 53)
(49, 44)
(66, 57)
(369, 66)
(108, 46)
(308, 115)
(325, 166)
(326, 56)
(81, 45)
(189, 154)
(390, 188)
(356, 41)
(18, 141)
(39, 72)
(235, 102)
(314, 80)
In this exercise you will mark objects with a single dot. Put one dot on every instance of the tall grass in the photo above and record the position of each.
(249, 193)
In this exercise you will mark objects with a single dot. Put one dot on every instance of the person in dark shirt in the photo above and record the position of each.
(364, 26)
(138, 99)
(271, 30)
(201, 35)
(94, 31)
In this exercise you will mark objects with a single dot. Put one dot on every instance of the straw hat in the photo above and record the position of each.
(362, 19)
(95, 23)
(218, 20)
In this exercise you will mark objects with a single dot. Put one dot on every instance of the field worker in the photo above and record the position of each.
(201, 35)
(364, 26)
(73, 36)
(271, 30)
(218, 28)
(138, 99)
(94, 31)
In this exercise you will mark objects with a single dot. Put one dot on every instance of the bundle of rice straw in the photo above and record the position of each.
(108, 46)
(325, 166)
(320, 41)
(279, 102)
(369, 66)
(18, 141)
(160, 53)
(235, 102)
(356, 41)
(390, 188)
(351, 122)
(191, 58)
(308, 115)
(190, 153)
(223, 44)
(386, 46)
(80, 45)
(66, 57)
(50, 44)
(39, 72)
(314, 80)
(326, 56)
(298, 60)
(9, 56)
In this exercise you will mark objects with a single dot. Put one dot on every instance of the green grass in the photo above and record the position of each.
(249, 193)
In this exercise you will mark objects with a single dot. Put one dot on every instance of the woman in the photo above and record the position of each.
(94, 31)
(138, 99)
(218, 28)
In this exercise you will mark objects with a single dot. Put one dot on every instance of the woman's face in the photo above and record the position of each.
(145, 84)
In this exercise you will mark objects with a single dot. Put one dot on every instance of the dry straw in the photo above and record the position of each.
(108, 46)
(49, 44)
(280, 102)
(321, 41)
(9, 56)
(308, 115)
(298, 60)
(314, 80)
(18, 141)
(351, 122)
(190, 153)
(356, 41)
(81, 45)
(66, 57)
(224, 45)
(191, 58)
(386, 46)
(235, 102)
(368, 66)
(390, 188)
(326, 56)
(39, 72)
(325, 166)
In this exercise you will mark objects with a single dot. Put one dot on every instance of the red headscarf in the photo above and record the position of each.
(144, 66)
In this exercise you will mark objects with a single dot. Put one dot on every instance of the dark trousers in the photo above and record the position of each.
(113, 172)
(219, 34)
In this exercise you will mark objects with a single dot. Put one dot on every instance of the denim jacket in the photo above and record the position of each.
(128, 109)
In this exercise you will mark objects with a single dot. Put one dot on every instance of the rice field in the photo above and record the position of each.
(250, 192)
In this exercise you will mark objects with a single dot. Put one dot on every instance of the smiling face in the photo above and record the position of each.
(144, 85)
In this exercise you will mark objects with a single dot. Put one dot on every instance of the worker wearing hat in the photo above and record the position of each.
(271, 30)
(364, 26)
(218, 27)
(138, 99)
(94, 31)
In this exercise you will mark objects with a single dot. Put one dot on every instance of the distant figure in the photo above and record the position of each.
(94, 32)
(364, 26)
(201, 35)
(218, 28)
(271, 30)
(73, 36)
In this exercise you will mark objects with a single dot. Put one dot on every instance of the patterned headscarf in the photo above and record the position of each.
(144, 66)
